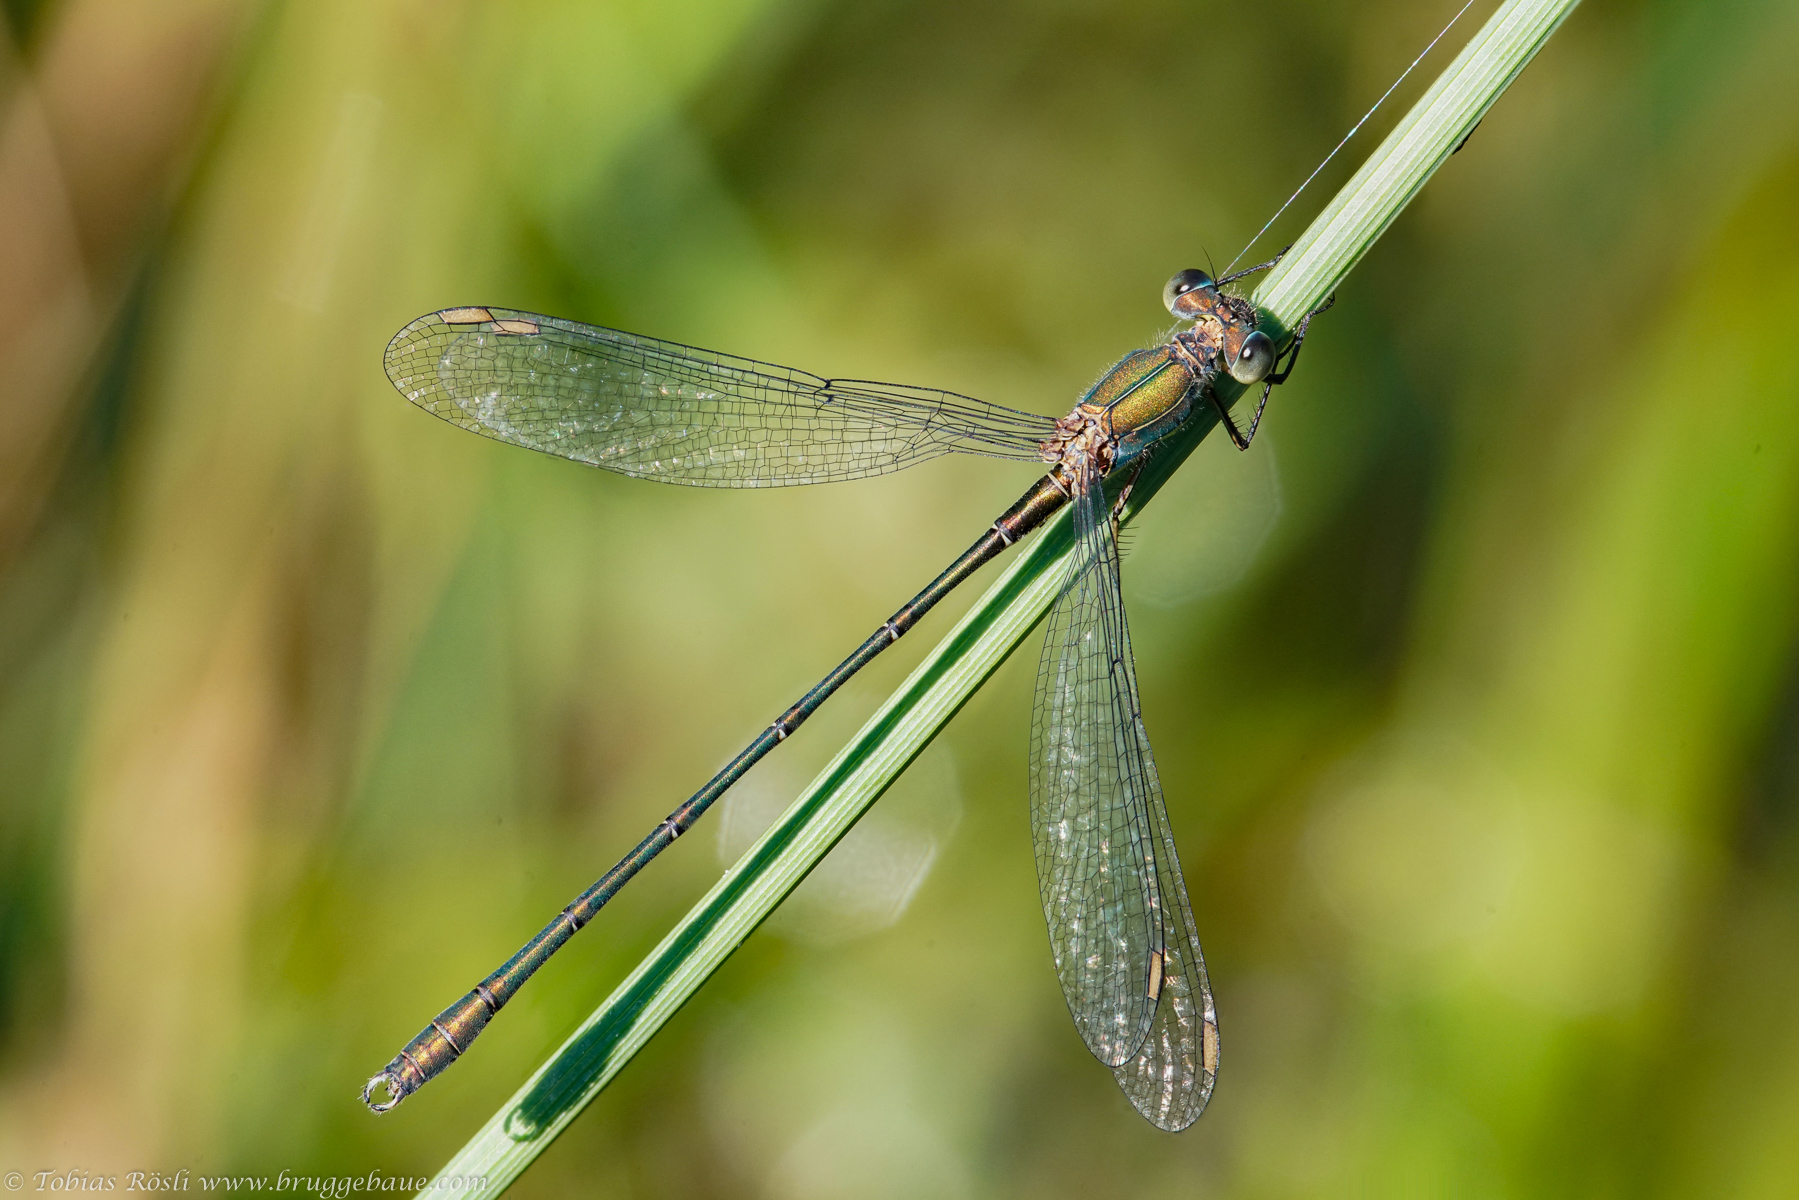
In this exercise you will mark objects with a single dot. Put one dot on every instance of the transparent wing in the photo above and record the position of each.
(1170, 1079)
(658, 410)
(1091, 786)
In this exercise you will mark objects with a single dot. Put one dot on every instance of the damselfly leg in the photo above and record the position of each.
(1248, 271)
(1242, 439)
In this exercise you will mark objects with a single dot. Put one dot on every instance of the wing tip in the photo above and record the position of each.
(402, 345)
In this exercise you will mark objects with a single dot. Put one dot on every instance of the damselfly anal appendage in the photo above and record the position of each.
(1121, 932)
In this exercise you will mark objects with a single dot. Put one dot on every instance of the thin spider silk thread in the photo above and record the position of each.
(1352, 132)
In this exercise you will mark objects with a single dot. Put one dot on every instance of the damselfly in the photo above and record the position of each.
(1119, 922)
(1120, 927)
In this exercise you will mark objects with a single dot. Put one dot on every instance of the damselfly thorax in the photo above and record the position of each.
(1151, 393)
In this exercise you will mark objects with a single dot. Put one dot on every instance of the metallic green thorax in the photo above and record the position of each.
(1145, 397)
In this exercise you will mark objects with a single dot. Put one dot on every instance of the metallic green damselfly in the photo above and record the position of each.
(1120, 926)
(1121, 929)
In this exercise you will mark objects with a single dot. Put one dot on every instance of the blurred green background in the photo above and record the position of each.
(1474, 685)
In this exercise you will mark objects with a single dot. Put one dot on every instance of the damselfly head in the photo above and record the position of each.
(1253, 359)
(1191, 280)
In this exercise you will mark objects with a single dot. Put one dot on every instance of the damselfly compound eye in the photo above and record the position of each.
(1180, 285)
(1255, 360)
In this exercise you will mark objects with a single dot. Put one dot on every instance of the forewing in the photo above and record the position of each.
(1089, 801)
(658, 410)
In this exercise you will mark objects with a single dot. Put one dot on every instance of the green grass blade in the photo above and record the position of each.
(528, 1122)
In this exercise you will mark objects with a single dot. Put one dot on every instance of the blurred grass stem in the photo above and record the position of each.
(528, 1122)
